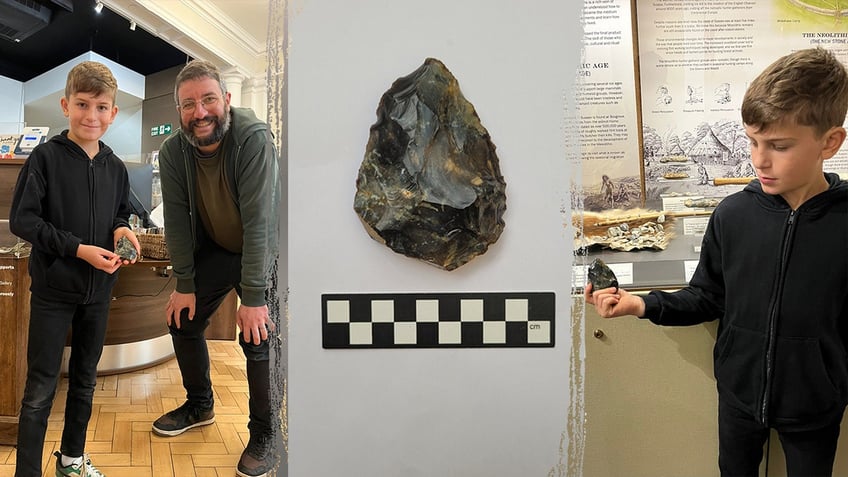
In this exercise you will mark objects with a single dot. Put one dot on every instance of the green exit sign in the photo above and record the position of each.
(160, 129)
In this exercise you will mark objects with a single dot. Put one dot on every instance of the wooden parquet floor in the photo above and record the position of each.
(119, 438)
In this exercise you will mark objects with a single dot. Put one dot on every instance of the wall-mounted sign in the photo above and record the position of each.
(160, 129)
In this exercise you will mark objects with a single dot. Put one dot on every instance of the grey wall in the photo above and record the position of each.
(158, 107)
(428, 412)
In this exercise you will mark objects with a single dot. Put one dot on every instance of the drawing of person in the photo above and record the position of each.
(607, 190)
(662, 95)
(703, 177)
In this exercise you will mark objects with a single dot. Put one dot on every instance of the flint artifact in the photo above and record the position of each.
(601, 276)
(126, 249)
(430, 186)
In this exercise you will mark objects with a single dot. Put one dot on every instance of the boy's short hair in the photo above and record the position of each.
(91, 77)
(808, 87)
(198, 69)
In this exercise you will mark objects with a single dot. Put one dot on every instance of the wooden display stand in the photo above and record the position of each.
(14, 327)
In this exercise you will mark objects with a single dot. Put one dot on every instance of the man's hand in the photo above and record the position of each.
(612, 302)
(99, 258)
(252, 321)
(130, 235)
(176, 303)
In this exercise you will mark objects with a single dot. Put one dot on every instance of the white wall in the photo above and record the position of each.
(427, 412)
(124, 135)
(54, 80)
(11, 106)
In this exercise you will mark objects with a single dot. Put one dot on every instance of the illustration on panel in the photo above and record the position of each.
(697, 161)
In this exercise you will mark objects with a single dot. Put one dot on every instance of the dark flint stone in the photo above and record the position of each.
(601, 276)
(430, 185)
(126, 250)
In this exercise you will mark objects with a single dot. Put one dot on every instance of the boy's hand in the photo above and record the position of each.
(611, 303)
(99, 258)
(130, 235)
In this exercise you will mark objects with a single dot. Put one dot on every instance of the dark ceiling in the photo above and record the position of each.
(70, 34)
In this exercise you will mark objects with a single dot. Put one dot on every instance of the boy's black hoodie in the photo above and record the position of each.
(778, 281)
(63, 199)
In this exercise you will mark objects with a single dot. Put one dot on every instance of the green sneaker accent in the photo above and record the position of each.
(83, 469)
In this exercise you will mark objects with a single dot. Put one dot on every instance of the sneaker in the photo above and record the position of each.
(182, 419)
(83, 469)
(258, 459)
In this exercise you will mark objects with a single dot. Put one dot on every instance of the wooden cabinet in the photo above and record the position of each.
(14, 325)
(138, 306)
(9, 169)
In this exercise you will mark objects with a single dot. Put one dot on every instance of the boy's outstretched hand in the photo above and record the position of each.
(612, 302)
(99, 258)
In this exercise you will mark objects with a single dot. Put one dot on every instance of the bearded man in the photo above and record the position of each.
(220, 190)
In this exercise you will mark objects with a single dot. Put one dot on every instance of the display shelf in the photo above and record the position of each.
(667, 268)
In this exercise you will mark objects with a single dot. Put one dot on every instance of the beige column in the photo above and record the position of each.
(233, 79)
(255, 96)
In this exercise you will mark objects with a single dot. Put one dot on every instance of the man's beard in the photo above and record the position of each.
(222, 125)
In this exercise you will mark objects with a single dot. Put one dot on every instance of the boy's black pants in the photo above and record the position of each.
(217, 272)
(48, 329)
(741, 438)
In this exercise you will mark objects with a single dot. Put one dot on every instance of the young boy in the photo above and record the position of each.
(774, 270)
(71, 203)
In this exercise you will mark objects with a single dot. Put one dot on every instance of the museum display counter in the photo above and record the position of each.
(137, 333)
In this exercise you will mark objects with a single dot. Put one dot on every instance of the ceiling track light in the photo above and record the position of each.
(98, 7)
(132, 25)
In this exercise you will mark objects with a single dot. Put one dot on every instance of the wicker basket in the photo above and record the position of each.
(153, 245)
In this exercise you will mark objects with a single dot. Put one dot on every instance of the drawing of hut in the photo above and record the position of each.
(710, 150)
(676, 150)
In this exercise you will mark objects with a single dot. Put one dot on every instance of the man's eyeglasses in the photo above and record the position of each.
(190, 105)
